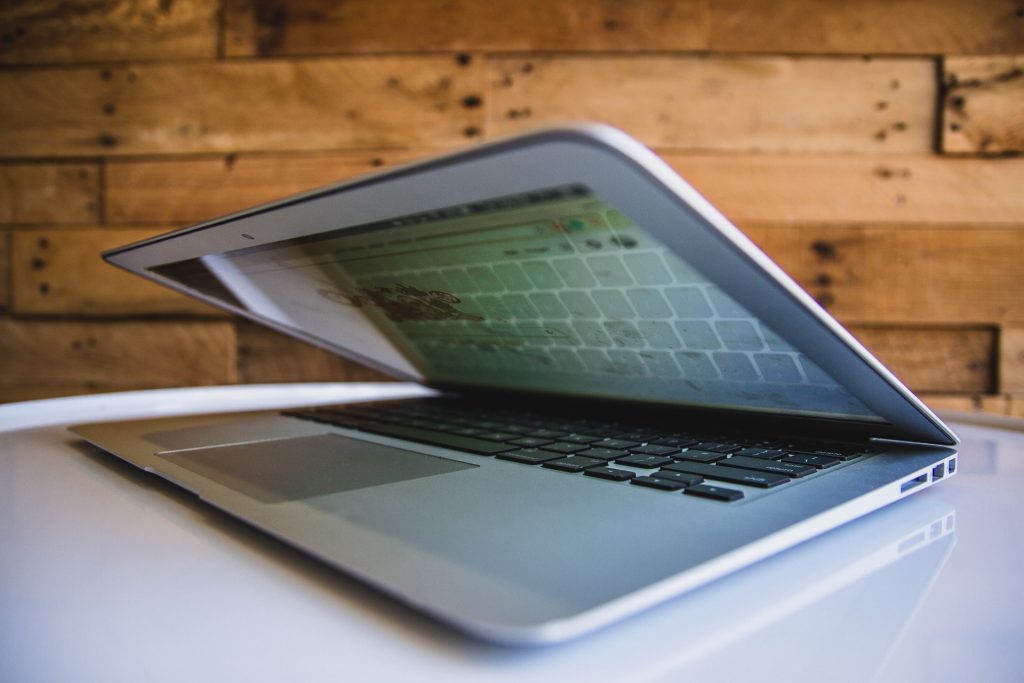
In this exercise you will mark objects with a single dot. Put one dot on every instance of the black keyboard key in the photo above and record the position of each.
(677, 441)
(529, 456)
(607, 431)
(564, 447)
(566, 427)
(609, 473)
(498, 436)
(829, 454)
(603, 453)
(789, 469)
(646, 462)
(617, 444)
(680, 477)
(546, 434)
(580, 438)
(515, 427)
(716, 447)
(466, 431)
(772, 454)
(698, 456)
(662, 484)
(574, 463)
(713, 492)
(639, 437)
(491, 425)
(386, 416)
(830, 448)
(530, 442)
(763, 453)
(652, 449)
(818, 461)
(733, 475)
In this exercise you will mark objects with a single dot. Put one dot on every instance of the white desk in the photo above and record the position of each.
(109, 574)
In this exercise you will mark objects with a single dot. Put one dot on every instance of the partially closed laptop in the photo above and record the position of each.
(631, 399)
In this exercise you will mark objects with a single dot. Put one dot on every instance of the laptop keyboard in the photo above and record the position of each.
(691, 462)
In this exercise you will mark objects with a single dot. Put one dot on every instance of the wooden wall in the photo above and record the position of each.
(871, 147)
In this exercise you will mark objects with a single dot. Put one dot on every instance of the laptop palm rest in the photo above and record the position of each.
(279, 470)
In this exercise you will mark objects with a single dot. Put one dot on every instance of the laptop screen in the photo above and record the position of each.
(553, 290)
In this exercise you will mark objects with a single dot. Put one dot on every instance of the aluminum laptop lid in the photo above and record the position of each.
(477, 272)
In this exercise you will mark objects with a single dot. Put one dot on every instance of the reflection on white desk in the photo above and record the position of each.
(107, 573)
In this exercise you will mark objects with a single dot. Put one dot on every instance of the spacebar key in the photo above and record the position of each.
(428, 436)
(733, 475)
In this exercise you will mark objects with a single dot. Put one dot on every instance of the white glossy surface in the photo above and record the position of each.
(107, 573)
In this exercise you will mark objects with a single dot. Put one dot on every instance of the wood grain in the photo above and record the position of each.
(847, 188)
(746, 187)
(726, 103)
(903, 274)
(813, 124)
(298, 104)
(935, 359)
(195, 189)
(993, 404)
(49, 193)
(265, 355)
(60, 272)
(983, 104)
(52, 358)
(303, 27)
(1011, 358)
(1016, 405)
(5, 270)
(866, 26)
(297, 27)
(65, 31)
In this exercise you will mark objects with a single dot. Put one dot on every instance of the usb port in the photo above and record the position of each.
(952, 466)
(939, 471)
(912, 483)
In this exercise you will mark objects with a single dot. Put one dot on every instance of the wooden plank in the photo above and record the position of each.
(1016, 407)
(966, 403)
(726, 102)
(265, 355)
(746, 187)
(904, 274)
(61, 272)
(866, 26)
(1011, 358)
(62, 31)
(5, 270)
(935, 359)
(983, 103)
(49, 193)
(44, 357)
(302, 27)
(240, 105)
(191, 190)
(846, 189)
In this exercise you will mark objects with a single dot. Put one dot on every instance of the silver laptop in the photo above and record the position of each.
(630, 399)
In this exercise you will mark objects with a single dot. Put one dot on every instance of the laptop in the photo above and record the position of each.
(628, 398)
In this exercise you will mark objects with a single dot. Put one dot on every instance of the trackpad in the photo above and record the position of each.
(280, 470)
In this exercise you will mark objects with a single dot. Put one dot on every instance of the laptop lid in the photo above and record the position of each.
(566, 262)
